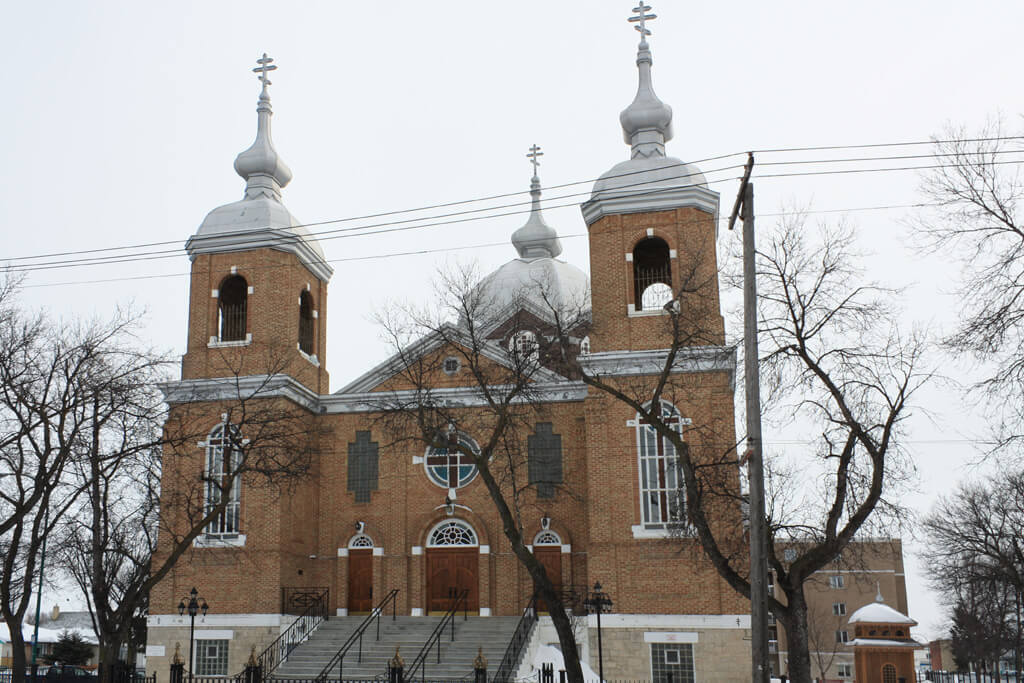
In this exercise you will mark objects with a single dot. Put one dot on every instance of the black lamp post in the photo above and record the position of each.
(195, 605)
(597, 602)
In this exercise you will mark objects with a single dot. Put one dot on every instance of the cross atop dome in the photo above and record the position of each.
(532, 156)
(266, 65)
(641, 20)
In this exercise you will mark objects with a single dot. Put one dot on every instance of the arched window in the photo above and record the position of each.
(585, 346)
(662, 498)
(652, 274)
(360, 541)
(888, 674)
(223, 458)
(449, 466)
(452, 532)
(306, 323)
(547, 537)
(231, 308)
(523, 345)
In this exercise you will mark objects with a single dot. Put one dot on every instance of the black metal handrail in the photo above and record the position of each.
(509, 663)
(307, 622)
(435, 637)
(357, 635)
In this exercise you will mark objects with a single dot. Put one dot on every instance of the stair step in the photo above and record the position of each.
(492, 634)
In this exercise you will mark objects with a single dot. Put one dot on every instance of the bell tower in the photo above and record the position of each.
(652, 223)
(258, 293)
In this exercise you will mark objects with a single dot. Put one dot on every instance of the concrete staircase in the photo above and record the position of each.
(408, 633)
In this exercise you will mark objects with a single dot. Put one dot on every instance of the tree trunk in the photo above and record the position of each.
(18, 660)
(797, 634)
(108, 656)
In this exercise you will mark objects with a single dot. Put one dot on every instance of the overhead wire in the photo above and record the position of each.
(578, 182)
(489, 211)
(503, 243)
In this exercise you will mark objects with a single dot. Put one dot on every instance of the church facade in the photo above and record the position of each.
(602, 500)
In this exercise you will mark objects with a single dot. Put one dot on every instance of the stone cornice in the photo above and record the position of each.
(281, 239)
(614, 202)
(691, 359)
(283, 386)
(240, 389)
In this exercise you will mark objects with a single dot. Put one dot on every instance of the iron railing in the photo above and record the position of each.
(970, 677)
(357, 636)
(419, 664)
(524, 629)
(316, 602)
(296, 600)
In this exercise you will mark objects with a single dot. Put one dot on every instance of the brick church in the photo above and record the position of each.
(375, 513)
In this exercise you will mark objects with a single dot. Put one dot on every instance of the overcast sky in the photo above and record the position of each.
(121, 121)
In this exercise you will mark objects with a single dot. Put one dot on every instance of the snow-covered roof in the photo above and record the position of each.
(880, 613)
(878, 642)
(45, 635)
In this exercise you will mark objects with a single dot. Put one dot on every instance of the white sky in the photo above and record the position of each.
(121, 121)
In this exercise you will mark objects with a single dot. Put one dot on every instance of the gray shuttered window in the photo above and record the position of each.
(544, 450)
(363, 457)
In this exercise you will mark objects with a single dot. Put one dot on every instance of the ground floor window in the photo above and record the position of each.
(672, 662)
(211, 658)
(845, 670)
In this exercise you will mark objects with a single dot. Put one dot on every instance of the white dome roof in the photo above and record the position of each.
(529, 281)
(644, 176)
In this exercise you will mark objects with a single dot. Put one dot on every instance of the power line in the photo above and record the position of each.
(386, 227)
(578, 182)
(871, 145)
(504, 243)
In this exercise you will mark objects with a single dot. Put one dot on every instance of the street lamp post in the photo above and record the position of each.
(598, 602)
(194, 605)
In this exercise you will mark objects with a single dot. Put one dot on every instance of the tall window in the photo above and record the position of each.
(231, 308)
(222, 461)
(652, 274)
(449, 466)
(888, 674)
(662, 500)
(306, 323)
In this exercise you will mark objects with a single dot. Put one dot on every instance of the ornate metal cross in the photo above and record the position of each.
(642, 17)
(532, 156)
(265, 66)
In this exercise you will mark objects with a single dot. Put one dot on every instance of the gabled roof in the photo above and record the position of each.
(448, 334)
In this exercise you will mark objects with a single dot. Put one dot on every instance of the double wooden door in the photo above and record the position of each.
(449, 572)
(360, 580)
(551, 558)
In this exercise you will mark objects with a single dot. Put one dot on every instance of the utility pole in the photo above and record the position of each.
(753, 456)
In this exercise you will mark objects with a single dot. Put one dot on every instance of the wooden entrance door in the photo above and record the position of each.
(551, 558)
(360, 580)
(449, 572)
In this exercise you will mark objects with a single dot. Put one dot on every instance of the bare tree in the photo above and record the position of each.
(143, 511)
(973, 218)
(468, 323)
(975, 538)
(62, 386)
(833, 357)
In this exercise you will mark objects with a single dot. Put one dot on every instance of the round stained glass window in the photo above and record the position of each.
(451, 466)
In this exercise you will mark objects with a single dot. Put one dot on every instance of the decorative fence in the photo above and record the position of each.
(970, 677)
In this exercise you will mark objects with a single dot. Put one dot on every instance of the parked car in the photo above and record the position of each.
(64, 673)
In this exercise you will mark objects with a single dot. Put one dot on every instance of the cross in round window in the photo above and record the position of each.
(449, 466)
